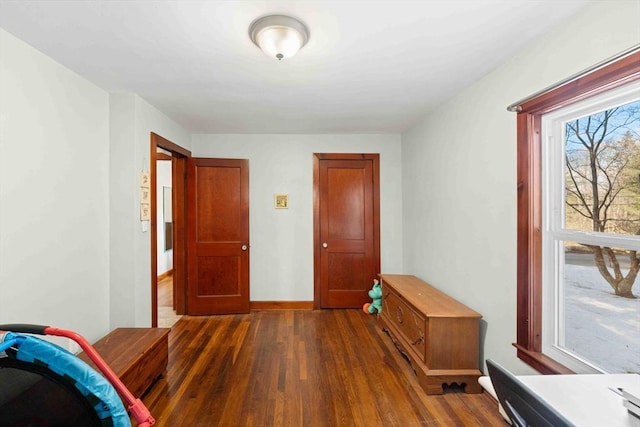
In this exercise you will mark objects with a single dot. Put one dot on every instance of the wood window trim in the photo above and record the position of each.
(529, 202)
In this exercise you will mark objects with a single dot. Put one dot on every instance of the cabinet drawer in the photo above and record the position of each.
(409, 323)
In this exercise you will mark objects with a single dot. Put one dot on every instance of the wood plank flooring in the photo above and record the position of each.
(299, 368)
(165, 291)
(167, 316)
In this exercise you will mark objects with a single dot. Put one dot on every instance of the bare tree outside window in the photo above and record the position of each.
(602, 187)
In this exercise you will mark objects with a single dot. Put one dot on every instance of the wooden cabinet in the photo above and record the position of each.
(439, 335)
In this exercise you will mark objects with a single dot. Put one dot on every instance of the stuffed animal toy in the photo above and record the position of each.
(376, 295)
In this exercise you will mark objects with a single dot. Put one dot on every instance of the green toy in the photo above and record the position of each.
(376, 294)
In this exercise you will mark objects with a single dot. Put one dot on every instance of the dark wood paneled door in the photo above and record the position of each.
(217, 236)
(347, 224)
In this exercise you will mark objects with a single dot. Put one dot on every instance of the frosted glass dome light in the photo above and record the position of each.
(279, 36)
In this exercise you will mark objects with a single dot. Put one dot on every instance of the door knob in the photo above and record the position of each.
(244, 247)
(324, 245)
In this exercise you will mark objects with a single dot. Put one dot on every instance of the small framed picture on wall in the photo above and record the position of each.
(145, 179)
(145, 195)
(145, 212)
(281, 201)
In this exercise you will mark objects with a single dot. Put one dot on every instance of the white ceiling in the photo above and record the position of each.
(369, 67)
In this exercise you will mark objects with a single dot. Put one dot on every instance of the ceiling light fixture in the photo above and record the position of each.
(279, 36)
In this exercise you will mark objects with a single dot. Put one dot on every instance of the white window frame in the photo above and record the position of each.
(553, 211)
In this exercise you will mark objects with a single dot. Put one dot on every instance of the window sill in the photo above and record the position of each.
(540, 362)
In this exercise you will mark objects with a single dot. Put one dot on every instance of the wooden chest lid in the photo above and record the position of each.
(425, 298)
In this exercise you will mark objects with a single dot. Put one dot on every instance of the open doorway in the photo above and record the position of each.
(168, 235)
(166, 306)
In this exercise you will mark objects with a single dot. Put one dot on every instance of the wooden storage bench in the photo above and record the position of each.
(137, 355)
(439, 335)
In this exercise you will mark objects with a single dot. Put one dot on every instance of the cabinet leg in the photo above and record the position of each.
(435, 384)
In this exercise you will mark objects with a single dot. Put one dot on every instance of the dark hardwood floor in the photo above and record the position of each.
(299, 368)
(165, 291)
(167, 316)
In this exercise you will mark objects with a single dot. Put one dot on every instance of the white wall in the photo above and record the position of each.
(122, 202)
(54, 158)
(163, 179)
(281, 259)
(132, 121)
(459, 172)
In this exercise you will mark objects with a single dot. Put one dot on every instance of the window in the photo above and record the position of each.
(560, 243)
(591, 214)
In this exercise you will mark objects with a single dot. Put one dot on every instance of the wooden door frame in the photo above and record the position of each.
(178, 172)
(375, 158)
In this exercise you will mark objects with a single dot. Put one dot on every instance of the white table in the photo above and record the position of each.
(586, 400)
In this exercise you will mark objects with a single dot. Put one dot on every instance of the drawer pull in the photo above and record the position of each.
(400, 314)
